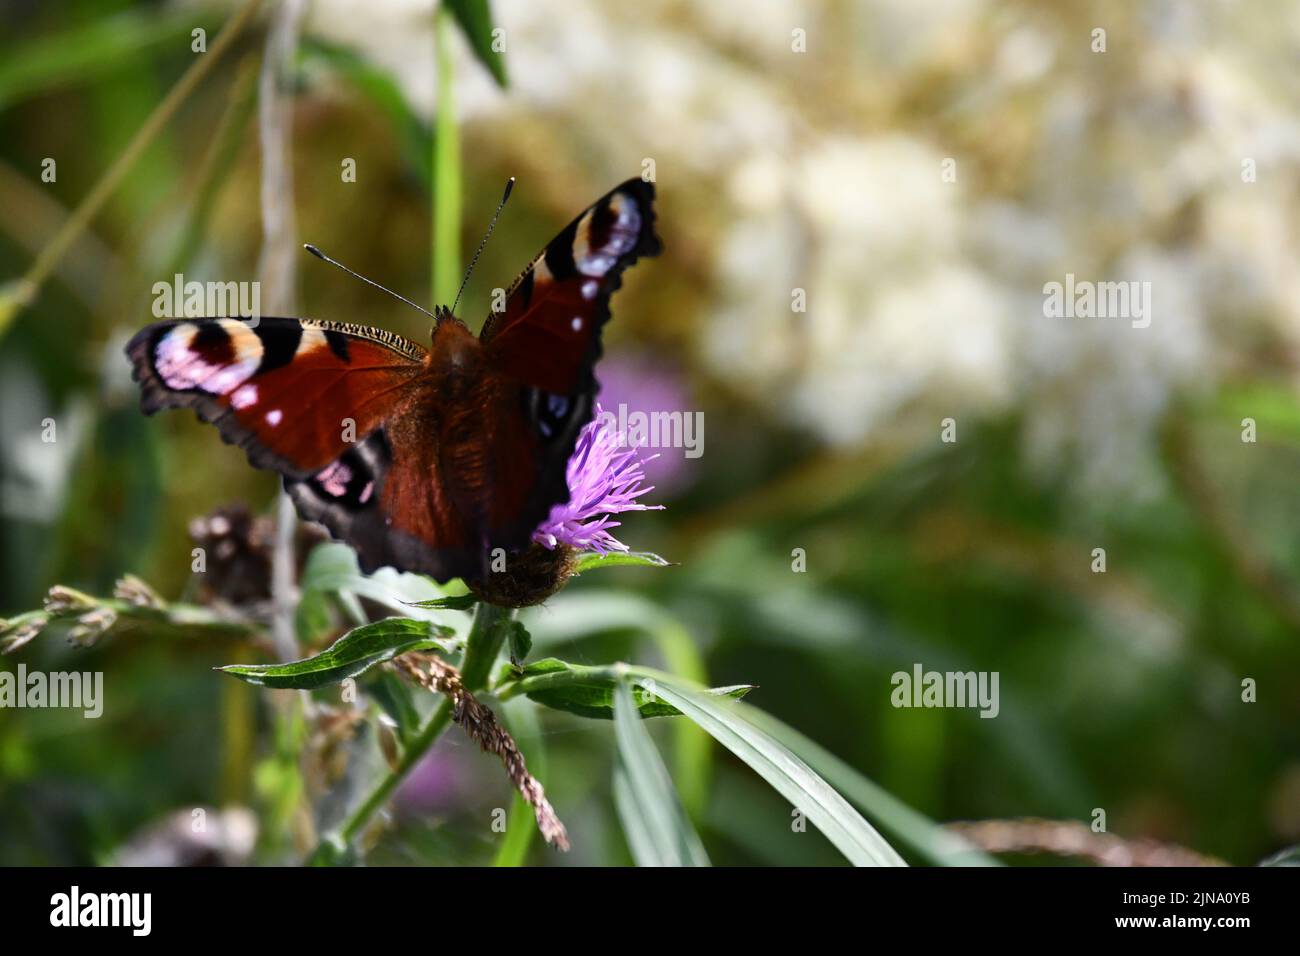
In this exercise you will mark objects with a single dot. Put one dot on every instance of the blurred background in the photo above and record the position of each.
(914, 173)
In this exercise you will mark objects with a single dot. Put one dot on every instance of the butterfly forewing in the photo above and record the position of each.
(548, 335)
(294, 394)
(543, 345)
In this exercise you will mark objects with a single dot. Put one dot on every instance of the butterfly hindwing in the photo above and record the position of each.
(390, 506)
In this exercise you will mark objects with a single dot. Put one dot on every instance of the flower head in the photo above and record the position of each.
(605, 477)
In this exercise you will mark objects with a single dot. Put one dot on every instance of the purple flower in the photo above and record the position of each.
(605, 477)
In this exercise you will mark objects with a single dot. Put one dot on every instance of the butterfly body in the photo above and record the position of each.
(426, 460)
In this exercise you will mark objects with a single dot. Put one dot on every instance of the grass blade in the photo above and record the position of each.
(923, 835)
(791, 777)
(659, 833)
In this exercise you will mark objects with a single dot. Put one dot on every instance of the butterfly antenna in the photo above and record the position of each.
(334, 262)
(486, 236)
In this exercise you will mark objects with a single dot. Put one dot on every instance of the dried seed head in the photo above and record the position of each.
(91, 626)
(14, 636)
(482, 727)
(135, 592)
(65, 600)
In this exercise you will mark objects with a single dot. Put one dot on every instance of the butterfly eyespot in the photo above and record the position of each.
(605, 234)
(273, 417)
(549, 412)
(590, 288)
(215, 357)
(334, 478)
(576, 324)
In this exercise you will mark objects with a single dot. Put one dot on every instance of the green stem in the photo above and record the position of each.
(446, 170)
(181, 620)
(483, 644)
(410, 757)
(481, 649)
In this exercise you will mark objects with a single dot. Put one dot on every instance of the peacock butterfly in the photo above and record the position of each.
(422, 459)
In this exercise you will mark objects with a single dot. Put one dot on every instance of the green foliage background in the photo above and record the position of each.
(1120, 690)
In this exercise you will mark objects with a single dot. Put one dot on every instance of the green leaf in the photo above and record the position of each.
(15, 295)
(332, 569)
(331, 851)
(475, 20)
(446, 177)
(1272, 405)
(312, 618)
(658, 831)
(791, 777)
(589, 691)
(617, 559)
(521, 642)
(453, 602)
(394, 697)
(351, 655)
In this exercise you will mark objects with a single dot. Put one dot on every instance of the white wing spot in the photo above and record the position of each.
(244, 396)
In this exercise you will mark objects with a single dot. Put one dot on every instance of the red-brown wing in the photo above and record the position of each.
(337, 409)
(541, 349)
(388, 498)
(294, 394)
(491, 456)
(548, 335)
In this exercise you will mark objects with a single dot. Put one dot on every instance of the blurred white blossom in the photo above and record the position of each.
(823, 172)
